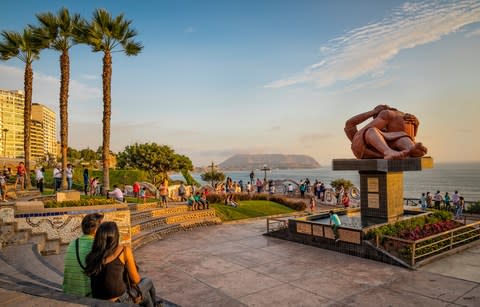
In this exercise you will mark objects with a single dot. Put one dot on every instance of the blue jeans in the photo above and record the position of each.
(69, 182)
(58, 184)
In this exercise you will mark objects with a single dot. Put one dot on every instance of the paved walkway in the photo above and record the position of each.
(234, 265)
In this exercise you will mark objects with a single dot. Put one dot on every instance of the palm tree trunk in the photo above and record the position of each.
(64, 80)
(27, 114)
(107, 114)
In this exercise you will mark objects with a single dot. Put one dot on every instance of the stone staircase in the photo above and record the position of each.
(151, 222)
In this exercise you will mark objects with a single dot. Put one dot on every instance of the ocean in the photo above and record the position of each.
(446, 177)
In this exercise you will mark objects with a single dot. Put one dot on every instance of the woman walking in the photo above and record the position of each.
(109, 264)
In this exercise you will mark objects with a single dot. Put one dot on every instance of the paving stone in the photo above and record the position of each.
(284, 295)
(471, 298)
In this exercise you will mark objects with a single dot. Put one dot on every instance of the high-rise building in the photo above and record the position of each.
(37, 148)
(11, 123)
(47, 117)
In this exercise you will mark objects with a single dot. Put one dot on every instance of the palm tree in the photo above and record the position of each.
(106, 34)
(26, 47)
(61, 31)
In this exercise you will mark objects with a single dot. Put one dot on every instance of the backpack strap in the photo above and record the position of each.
(78, 254)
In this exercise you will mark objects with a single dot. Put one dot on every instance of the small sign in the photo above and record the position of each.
(372, 184)
(373, 200)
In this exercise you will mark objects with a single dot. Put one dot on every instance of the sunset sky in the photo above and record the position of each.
(217, 78)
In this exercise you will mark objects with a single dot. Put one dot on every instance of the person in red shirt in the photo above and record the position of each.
(345, 200)
(20, 175)
(136, 189)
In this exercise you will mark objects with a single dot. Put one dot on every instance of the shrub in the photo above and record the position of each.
(474, 208)
(79, 203)
(336, 184)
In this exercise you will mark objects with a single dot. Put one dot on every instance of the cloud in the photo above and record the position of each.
(46, 88)
(473, 33)
(90, 77)
(365, 50)
(189, 29)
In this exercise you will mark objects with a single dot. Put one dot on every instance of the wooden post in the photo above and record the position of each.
(268, 225)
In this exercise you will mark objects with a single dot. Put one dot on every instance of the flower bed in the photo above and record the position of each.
(79, 203)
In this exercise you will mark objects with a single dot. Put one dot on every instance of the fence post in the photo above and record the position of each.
(413, 254)
(268, 225)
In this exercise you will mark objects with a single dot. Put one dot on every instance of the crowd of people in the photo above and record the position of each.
(454, 202)
(97, 265)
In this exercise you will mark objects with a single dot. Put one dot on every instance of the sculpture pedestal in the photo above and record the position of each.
(381, 183)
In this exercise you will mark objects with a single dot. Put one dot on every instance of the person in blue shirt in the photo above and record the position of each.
(335, 223)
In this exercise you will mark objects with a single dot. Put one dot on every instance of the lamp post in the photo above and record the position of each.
(5, 130)
(265, 169)
(212, 169)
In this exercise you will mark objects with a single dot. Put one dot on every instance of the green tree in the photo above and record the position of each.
(88, 155)
(156, 160)
(61, 31)
(25, 46)
(213, 176)
(336, 184)
(73, 154)
(107, 34)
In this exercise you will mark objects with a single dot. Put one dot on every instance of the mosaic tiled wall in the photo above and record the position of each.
(65, 227)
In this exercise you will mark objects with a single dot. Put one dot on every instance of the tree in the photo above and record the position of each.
(88, 155)
(26, 47)
(213, 176)
(61, 31)
(336, 184)
(156, 160)
(106, 34)
(73, 154)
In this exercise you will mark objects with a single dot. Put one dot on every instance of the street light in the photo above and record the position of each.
(265, 169)
(5, 130)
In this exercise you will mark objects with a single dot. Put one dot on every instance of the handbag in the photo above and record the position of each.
(133, 290)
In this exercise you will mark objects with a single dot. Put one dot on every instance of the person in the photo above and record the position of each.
(259, 185)
(455, 200)
(3, 185)
(312, 204)
(109, 262)
(429, 200)
(249, 187)
(57, 177)
(69, 172)
(204, 200)
(423, 202)
(182, 192)
(164, 194)
(230, 201)
(143, 194)
(437, 198)
(74, 280)
(340, 194)
(303, 187)
(272, 189)
(390, 135)
(446, 199)
(86, 180)
(191, 203)
(290, 189)
(39, 171)
(116, 193)
(136, 189)
(20, 175)
(459, 207)
(252, 175)
(345, 200)
(335, 223)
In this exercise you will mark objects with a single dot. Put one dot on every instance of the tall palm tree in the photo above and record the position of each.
(107, 34)
(61, 31)
(25, 46)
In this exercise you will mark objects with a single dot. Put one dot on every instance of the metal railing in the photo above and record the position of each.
(451, 238)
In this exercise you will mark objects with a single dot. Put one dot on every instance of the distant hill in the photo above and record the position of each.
(273, 161)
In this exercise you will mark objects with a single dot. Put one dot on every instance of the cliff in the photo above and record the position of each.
(273, 161)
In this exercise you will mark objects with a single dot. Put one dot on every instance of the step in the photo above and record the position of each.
(157, 233)
(207, 221)
(154, 205)
(191, 216)
(145, 214)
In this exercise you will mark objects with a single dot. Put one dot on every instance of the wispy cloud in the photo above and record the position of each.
(46, 88)
(90, 77)
(189, 29)
(365, 50)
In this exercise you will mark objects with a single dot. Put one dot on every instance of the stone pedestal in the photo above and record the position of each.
(381, 183)
(68, 195)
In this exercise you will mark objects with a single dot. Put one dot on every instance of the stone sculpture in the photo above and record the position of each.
(390, 135)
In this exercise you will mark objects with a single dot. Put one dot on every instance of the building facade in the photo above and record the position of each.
(11, 123)
(43, 134)
(48, 119)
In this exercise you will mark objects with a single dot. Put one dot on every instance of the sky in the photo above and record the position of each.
(217, 78)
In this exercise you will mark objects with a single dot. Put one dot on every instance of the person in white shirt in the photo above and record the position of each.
(39, 178)
(116, 193)
(57, 176)
(69, 172)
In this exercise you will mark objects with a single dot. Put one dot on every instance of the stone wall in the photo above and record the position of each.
(64, 224)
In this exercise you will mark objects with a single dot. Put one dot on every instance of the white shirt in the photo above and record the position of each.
(57, 173)
(69, 172)
(116, 194)
(38, 174)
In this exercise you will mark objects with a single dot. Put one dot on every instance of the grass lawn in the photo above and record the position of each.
(248, 209)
